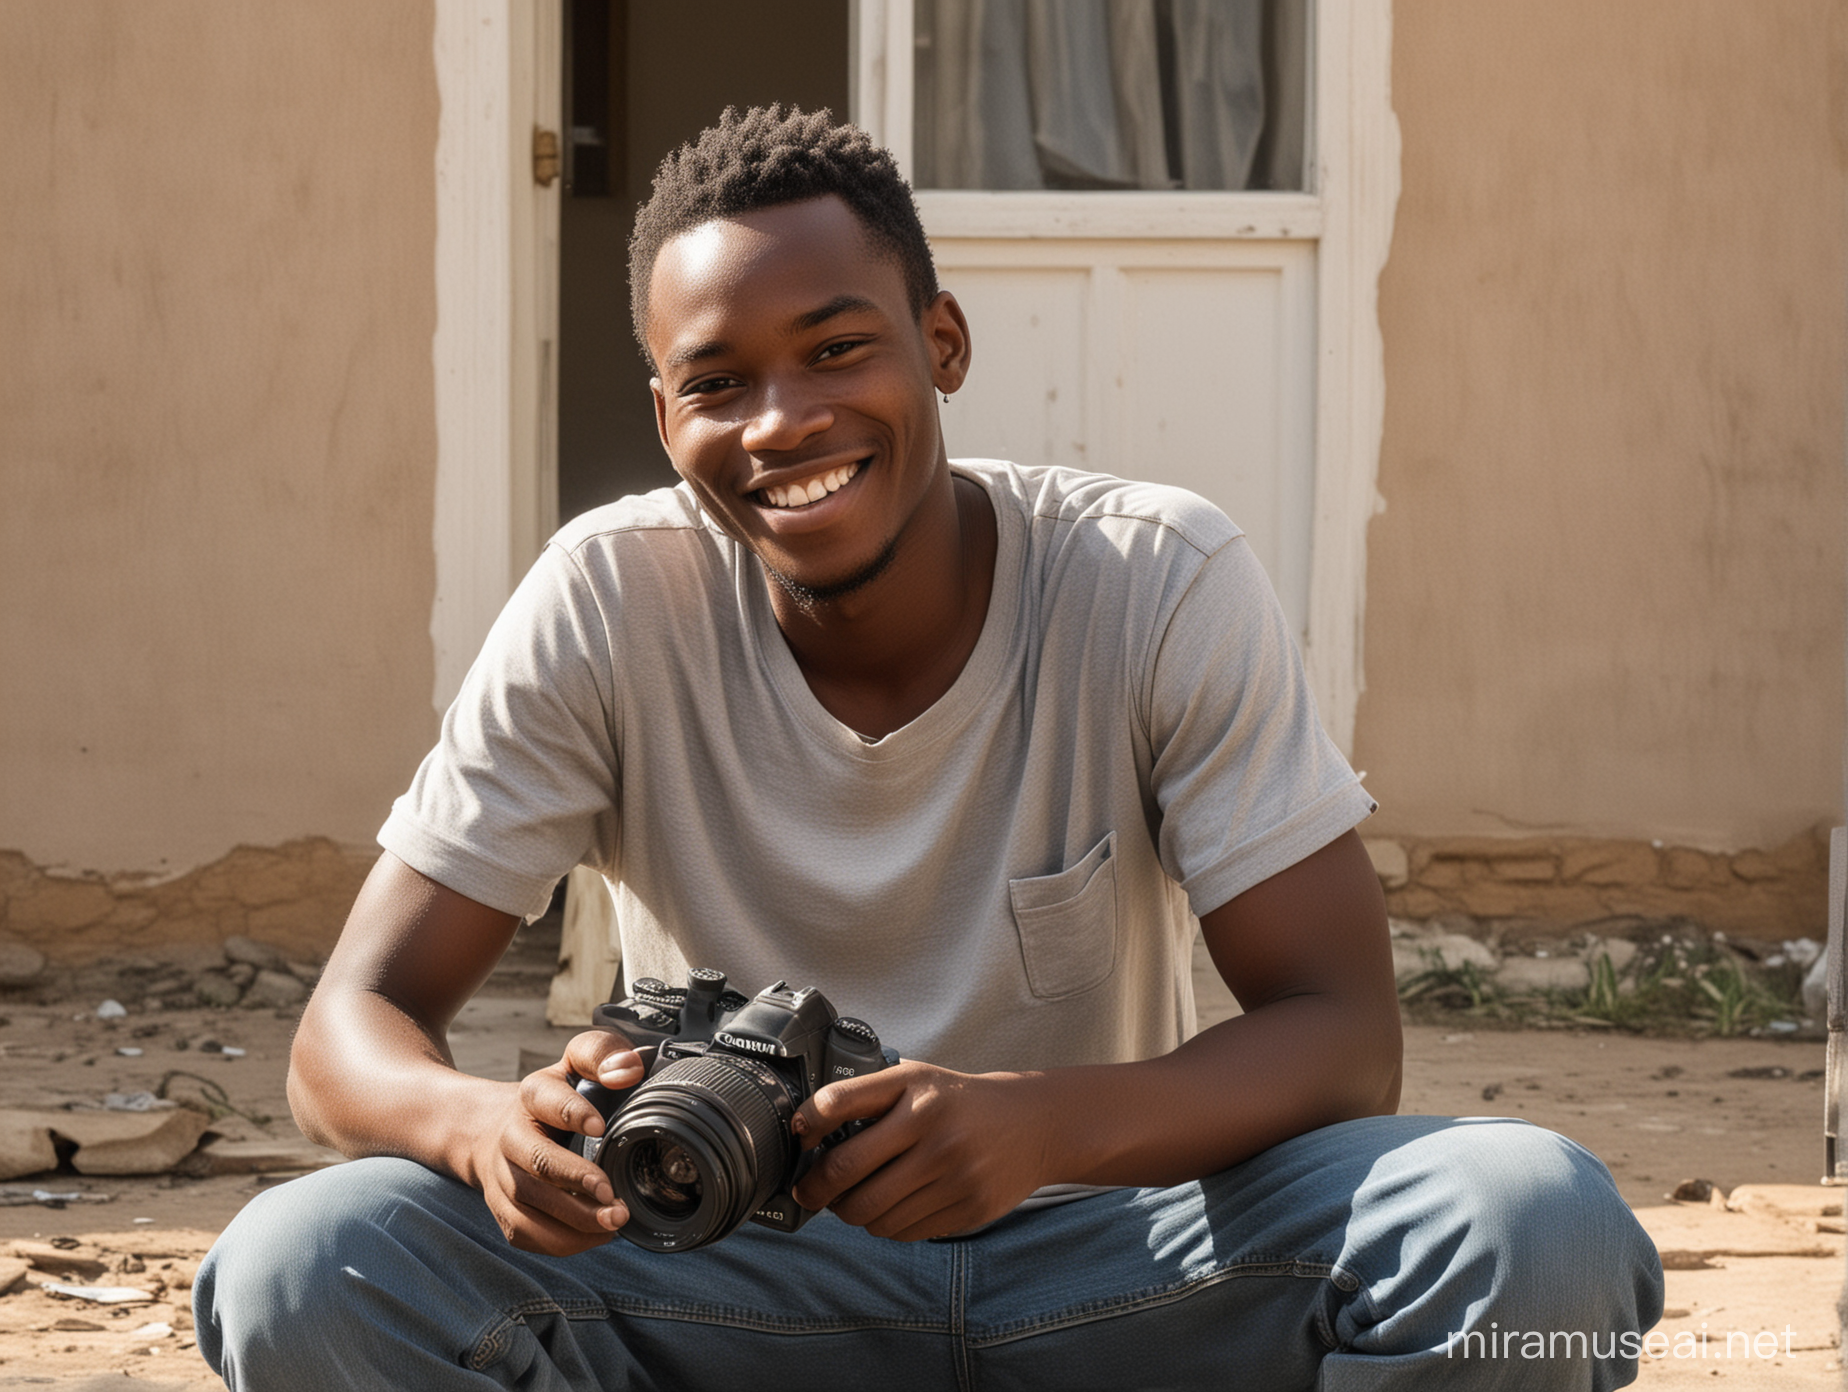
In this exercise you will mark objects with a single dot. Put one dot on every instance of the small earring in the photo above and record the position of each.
(946, 398)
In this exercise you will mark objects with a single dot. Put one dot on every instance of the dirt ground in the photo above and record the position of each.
(1735, 1112)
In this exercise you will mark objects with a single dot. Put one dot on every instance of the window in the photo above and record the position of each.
(1151, 95)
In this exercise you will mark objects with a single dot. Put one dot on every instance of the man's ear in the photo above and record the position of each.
(660, 405)
(946, 337)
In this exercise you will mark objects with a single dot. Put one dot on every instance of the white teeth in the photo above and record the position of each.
(795, 495)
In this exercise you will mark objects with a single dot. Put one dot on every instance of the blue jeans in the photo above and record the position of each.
(1355, 1257)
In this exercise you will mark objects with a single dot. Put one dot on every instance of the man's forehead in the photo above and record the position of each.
(806, 255)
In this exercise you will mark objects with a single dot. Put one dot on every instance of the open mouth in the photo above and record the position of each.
(801, 494)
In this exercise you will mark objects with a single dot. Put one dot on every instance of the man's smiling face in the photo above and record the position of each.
(797, 387)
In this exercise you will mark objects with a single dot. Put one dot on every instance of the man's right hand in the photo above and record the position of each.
(546, 1198)
(371, 1072)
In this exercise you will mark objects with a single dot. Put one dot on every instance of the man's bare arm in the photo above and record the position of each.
(1306, 952)
(370, 1072)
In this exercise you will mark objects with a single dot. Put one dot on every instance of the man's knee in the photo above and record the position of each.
(1522, 1215)
(311, 1255)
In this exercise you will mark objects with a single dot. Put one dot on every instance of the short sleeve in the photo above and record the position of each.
(1247, 781)
(522, 783)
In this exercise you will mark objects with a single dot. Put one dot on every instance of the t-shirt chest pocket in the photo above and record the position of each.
(1067, 924)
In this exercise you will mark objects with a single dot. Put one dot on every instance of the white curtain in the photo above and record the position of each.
(1025, 94)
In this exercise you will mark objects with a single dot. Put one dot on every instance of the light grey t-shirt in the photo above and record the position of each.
(1009, 881)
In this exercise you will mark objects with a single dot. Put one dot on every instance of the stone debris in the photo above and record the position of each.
(275, 989)
(242, 971)
(73, 1263)
(1528, 961)
(13, 1274)
(105, 1143)
(240, 950)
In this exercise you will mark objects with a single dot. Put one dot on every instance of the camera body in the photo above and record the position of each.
(703, 1142)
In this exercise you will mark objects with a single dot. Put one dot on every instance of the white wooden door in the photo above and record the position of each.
(1188, 362)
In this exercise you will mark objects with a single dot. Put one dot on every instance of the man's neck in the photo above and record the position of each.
(882, 655)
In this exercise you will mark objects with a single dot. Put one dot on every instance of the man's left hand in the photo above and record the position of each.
(948, 1151)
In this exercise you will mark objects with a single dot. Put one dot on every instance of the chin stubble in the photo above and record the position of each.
(810, 598)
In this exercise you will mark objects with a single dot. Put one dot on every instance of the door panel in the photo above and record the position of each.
(1189, 363)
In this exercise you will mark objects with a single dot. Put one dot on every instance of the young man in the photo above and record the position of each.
(968, 747)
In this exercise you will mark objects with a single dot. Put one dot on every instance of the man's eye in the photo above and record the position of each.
(707, 386)
(835, 350)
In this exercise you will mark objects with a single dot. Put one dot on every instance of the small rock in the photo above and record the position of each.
(1446, 951)
(12, 1274)
(275, 989)
(111, 1010)
(70, 1324)
(308, 973)
(19, 964)
(1389, 861)
(215, 988)
(1692, 1191)
(1621, 951)
(250, 952)
(1543, 974)
(53, 1260)
(242, 973)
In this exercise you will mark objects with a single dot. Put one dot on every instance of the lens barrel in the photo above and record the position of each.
(698, 1149)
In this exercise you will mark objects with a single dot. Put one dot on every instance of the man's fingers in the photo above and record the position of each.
(548, 1098)
(850, 1163)
(577, 1211)
(606, 1057)
(530, 1151)
(851, 1099)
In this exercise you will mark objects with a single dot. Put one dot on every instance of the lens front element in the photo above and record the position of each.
(665, 1177)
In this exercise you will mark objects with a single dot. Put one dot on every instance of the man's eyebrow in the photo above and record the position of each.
(840, 304)
(814, 318)
(694, 352)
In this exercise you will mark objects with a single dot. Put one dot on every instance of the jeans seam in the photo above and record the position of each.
(1166, 1295)
(959, 1322)
(766, 1324)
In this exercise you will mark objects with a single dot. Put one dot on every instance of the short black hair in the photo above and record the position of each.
(767, 157)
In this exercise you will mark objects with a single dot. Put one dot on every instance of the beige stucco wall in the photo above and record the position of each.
(1606, 595)
(216, 431)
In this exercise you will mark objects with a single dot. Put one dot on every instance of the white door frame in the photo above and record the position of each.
(1348, 212)
(498, 69)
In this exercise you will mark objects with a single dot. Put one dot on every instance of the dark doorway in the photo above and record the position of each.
(642, 77)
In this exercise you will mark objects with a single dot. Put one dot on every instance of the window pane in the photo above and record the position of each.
(1110, 94)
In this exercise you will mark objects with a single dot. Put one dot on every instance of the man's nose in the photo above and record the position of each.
(785, 417)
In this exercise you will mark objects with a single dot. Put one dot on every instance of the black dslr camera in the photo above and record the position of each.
(703, 1141)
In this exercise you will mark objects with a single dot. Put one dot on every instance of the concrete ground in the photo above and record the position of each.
(1743, 1114)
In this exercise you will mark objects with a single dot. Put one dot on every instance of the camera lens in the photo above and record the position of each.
(665, 1177)
(698, 1149)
